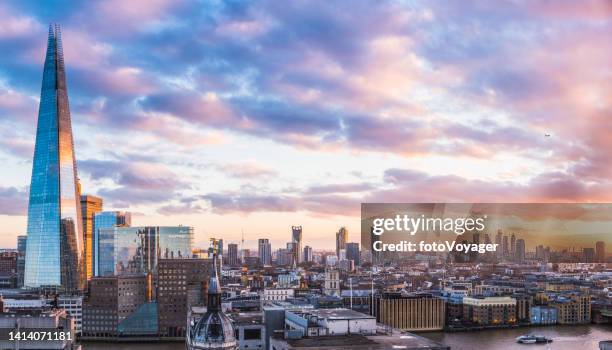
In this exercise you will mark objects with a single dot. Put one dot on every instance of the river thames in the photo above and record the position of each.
(584, 337)
(581, 337)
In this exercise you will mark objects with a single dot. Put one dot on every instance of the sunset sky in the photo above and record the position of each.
(261, 115)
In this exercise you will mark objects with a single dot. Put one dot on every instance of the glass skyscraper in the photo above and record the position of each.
(136, 250)
(54, 251)
(105, 220)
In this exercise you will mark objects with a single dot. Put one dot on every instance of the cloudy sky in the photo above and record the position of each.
(256, 116)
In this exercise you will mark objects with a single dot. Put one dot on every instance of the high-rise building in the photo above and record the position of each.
(232, 254)
(352, 252)
(177, 292)
(498, 241)
(341, 238)
(487, 238)
(519, 255)
(54, 252)
(506, 247)
(513, 245)
(111, 300)
(220, 248)
(292, 248)
(265, 251)
(308, 256)
(588, 255)
(296, 237)
(8, 268)
(8, 262)
(600, 251)
(89, 206)
(137, 250)
(106, 220)
(21, 250)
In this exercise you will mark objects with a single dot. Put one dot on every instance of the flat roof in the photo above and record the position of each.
(360, 342)
(338, 314)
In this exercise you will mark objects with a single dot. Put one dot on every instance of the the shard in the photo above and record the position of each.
(54, 253)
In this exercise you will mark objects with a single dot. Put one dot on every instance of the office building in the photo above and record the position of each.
(505, 247)
(21, 250)
(136, 250)
(341, 239)
(413, 312)
(265, 251)
(89, 206)
(8, 269)
(110, 301)
(352, 253)
(292, 248)
(588, 255)
(41, 319)
(232, 254)
(220, 248)
(489, 311)
(284, 257)
(106, 220)
(54, 252)
(498, 241)
(296, 239)
(8, 262)
(73, 304)
(308, 255)
(181, 283)
(600, 251)
(519, 254)
(513, 245)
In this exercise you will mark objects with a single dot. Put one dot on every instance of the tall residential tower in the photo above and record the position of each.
(54, 251)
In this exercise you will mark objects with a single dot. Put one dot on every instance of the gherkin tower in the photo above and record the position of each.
(54, 251)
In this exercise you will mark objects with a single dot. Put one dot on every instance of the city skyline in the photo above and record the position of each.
(265, 121)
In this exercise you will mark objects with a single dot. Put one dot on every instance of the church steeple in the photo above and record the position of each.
(215, 329)
(214, 290)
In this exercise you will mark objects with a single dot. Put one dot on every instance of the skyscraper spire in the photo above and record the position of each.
(54, 244)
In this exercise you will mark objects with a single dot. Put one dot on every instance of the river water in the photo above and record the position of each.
(584, 337)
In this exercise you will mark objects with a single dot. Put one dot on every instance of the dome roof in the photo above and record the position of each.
(213, 331)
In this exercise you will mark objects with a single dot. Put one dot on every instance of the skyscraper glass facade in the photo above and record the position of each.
(54, 251)
(296, 238)
(129, 250)
(105, 220)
